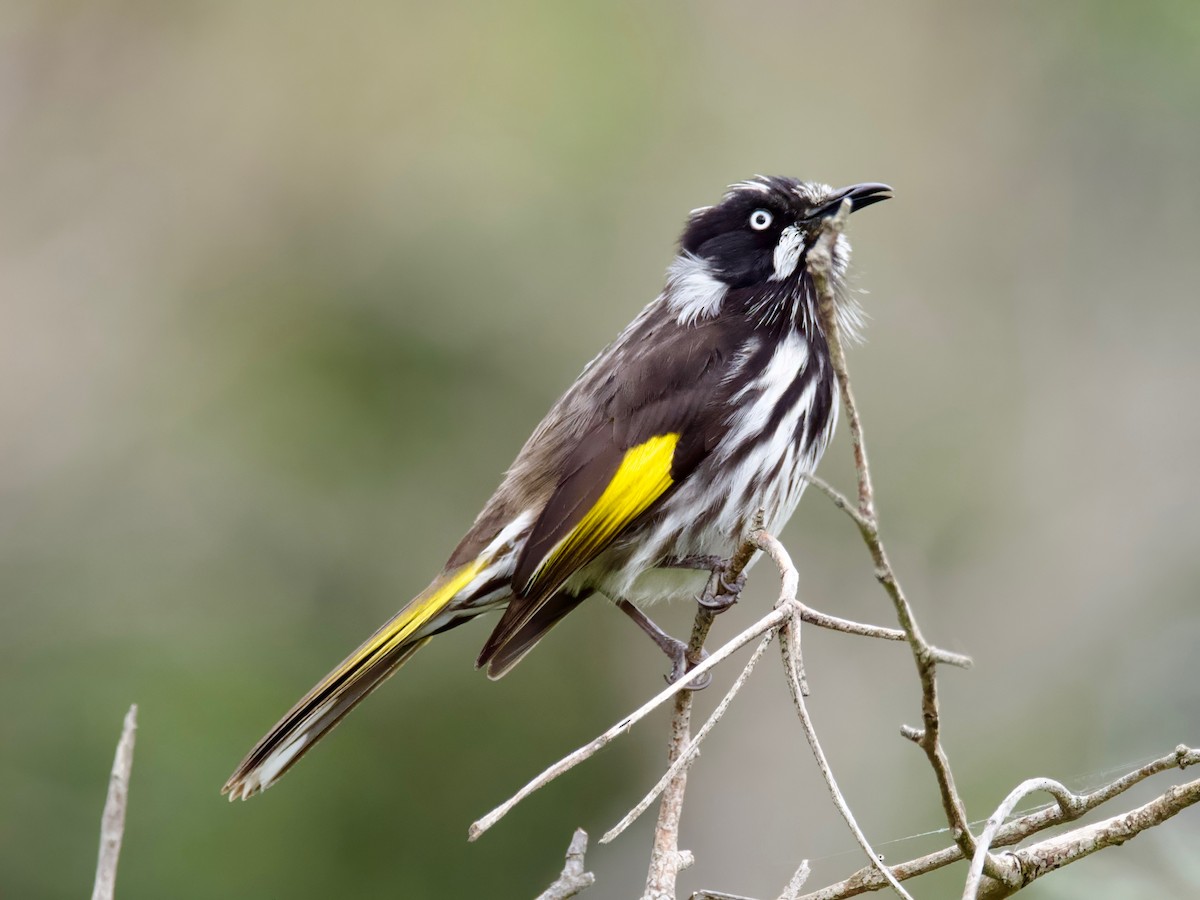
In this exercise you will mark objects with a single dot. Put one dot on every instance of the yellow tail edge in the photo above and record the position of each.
(318, 711)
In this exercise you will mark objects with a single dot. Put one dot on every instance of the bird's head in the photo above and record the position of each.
(762, 227)
(752, 246)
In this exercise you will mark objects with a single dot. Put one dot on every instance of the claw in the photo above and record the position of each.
(680, 666)
(722, 592)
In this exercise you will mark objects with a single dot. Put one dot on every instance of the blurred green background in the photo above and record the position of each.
(285, 286)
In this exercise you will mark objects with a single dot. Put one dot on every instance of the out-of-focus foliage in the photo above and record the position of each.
(283, 287)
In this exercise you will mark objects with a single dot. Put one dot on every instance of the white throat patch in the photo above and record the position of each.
(693, 292)
(787, 252)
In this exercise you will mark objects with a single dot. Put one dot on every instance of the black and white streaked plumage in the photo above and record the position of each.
(712, 404)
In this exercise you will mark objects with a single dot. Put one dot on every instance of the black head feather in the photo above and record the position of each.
(732, 239)
(725, 237)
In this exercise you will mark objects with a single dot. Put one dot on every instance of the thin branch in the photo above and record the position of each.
(796, 884)
(112, 822)
(692, 750)
(794, 669)
(787, 598)
(840, 500)
(1067, 802)
(766, 624)
(821, 264)
(794, 666)
(846, 626)
(574, 878)
(1021, 867)
(868, 879)
(666, 860)
(763, 625)
(790, 892)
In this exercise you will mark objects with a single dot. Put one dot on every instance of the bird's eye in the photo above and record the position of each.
(760, 219)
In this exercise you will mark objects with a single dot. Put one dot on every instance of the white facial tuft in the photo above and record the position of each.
(693, 292)
(787, 252)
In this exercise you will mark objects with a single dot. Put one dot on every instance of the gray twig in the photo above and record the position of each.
(666, 859)
(796, 884)
(763, 625)
(692, 750)
(574, 877)
(1019, 868)
(790, 892)
(820, 263)
(868, 879)
(1067, 802)
(112, 822)
(794, 666)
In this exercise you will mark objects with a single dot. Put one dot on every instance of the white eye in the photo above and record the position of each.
(760, 219)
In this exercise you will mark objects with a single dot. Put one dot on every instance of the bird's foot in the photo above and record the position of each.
(722, 591)
(681, 665)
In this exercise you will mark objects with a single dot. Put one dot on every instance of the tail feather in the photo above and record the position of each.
(507, 647)
(341, 690)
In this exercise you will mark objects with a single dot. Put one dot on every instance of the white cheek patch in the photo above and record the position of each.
(787, 252)
(693, 292)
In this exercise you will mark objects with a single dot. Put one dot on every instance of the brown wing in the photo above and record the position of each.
(661, 414)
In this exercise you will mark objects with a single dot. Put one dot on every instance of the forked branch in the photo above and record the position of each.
(575, 877)
(867, 879)
(768, 623)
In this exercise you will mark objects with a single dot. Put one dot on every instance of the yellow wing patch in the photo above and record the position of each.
(643, 476)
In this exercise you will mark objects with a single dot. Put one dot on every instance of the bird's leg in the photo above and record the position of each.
(676, 650)
(721, 592)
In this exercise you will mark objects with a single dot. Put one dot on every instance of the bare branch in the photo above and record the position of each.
(766, 624)
(820, 263)
(868, 879)
(791, 892)
(1019, 868)
(692, 750)
(574, 878)
(112, 822)
(1067, 802)
(846, 626)
(666, 860)
(840, 500)
(763, 625)
(794, 666)
(796, 884)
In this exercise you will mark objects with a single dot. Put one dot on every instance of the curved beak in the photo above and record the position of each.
(859, 195)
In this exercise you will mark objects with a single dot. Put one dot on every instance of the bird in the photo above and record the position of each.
(713, 405)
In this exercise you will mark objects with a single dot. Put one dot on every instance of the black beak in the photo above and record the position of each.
(859, 195)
